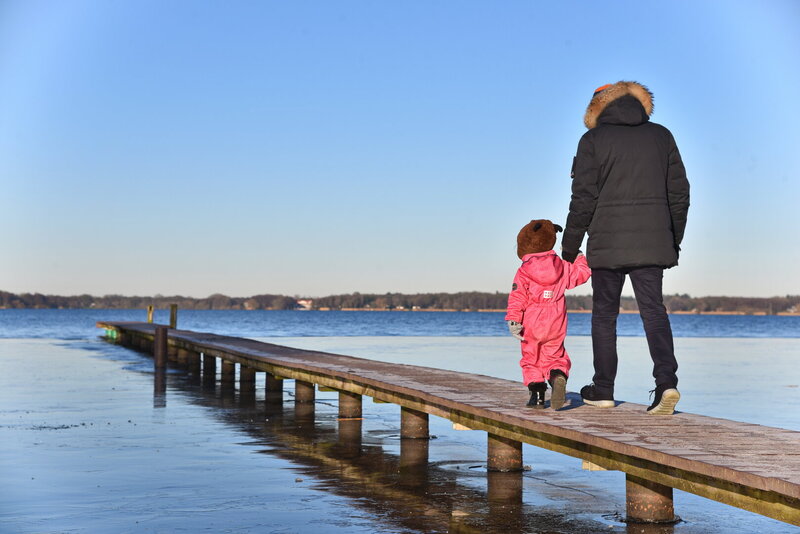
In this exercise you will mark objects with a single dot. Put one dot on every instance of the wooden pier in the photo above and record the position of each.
(749, 466)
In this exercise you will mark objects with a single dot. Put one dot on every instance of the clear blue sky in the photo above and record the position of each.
(314, 148)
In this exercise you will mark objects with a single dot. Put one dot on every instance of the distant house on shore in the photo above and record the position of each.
(304, 304)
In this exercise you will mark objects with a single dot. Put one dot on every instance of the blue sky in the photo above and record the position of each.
(314, 148)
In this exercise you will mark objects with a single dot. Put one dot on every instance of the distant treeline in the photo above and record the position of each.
(213, 302)
(463, 301)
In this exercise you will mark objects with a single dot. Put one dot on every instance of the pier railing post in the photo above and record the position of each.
(173, 316)
(160, 347)
(150, 314)
(648, 502)
(503, 454)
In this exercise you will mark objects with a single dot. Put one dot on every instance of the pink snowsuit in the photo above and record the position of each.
(537, 301)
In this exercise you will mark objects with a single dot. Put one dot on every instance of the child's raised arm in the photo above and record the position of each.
(578, 272)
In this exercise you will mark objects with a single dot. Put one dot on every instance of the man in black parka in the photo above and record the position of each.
(630, 193)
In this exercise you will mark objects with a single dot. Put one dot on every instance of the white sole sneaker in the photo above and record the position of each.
(600, 403)
(669, 399)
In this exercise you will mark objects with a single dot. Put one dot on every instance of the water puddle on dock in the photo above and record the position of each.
(92, 440)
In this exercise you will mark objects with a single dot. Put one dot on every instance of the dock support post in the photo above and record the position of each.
(150, 314)
(303, 392)
(182, 356)
(503, 454)
(273, 389)
(247, 379)
(160, 347)
(228, 376)
(193, 362)
(648, 502)
(349, 405)
(413, 424)
(173, 316)
(209, 367)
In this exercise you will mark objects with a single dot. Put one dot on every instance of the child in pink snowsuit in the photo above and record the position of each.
(537, 311)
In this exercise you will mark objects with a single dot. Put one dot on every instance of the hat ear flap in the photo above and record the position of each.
(558, 228)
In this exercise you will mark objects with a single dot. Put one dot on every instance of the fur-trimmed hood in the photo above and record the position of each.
(603, 98)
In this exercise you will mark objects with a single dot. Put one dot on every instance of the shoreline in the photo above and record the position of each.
(441, 310)
(787, 314)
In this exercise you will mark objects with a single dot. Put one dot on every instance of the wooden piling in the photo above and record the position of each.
(160, 347)
(228, 374)
(303, 391)
(413, 424)
(173, 316)
(503, 454)
(150, 314)
(273, 389)
(349, 405)
(182, 356)
(648, 502)
(209, 367)
(247, 379)
(193, 362)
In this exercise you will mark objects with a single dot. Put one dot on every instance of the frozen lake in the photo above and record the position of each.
(90, 441)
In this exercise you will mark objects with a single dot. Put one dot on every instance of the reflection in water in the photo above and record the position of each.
(160, 387)
(645, 528)
(404, 490)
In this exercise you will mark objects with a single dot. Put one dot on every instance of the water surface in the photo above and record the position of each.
(92, 440)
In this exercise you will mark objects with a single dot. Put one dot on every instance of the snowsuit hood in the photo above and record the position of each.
(544, 268)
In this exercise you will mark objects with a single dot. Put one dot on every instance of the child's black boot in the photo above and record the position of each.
(558, 381)
(537, 390)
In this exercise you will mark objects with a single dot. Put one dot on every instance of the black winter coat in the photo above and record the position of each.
(629, 188)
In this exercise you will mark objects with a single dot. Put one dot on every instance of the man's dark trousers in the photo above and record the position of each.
(607, 287)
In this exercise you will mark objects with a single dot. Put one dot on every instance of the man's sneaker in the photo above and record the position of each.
(666, 399)
(558, 381)
(591, 396)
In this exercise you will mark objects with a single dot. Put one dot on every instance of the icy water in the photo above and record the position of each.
(92, 440)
